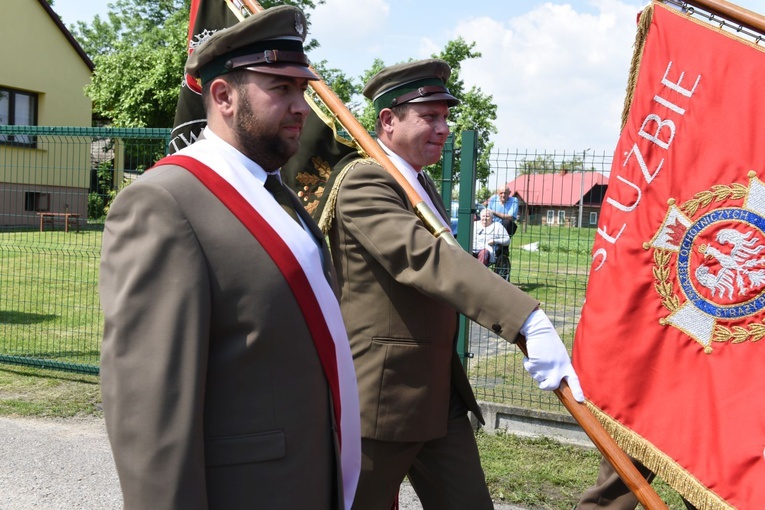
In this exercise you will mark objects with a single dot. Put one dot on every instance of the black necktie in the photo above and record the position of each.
(275, 187)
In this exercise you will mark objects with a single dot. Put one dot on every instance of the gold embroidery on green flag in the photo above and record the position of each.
(322, 160)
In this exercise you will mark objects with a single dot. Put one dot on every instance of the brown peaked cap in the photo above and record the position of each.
(270, 41)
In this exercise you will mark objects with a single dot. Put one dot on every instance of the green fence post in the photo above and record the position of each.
(468, 160)
(447, 172)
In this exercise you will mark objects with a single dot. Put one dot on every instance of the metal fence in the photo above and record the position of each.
(54, 186)
(548, 259)
(56, 183)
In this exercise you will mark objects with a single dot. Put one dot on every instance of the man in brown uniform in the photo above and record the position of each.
(401, 291)
(219, 305)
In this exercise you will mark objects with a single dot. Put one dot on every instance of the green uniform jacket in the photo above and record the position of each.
(213, 393)
(401, 289)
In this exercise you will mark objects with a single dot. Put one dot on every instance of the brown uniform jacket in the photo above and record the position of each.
(213, 393)
(401, 289)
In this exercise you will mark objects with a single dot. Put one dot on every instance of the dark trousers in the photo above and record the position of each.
(445, 473)
(611, 492)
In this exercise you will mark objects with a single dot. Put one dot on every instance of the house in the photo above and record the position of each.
(560, 198)
(44, 72)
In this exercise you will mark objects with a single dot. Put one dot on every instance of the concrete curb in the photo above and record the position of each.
(531, 423)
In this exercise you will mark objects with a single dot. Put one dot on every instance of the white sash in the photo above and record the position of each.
(227, 163)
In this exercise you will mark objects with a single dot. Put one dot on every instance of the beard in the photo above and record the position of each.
(260, 141)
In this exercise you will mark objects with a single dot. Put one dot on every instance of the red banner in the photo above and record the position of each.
(671, 336)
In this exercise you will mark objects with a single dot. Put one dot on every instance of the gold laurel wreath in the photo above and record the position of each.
(662, 258)
(718, 193)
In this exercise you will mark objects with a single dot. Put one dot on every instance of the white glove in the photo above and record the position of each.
(548, 361)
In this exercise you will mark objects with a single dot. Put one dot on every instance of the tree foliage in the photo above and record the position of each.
(476, 111)
(547, 165)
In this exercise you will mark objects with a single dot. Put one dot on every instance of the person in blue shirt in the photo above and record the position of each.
(504, 208)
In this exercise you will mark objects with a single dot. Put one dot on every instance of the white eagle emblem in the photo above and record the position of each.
(709, 264)
(736, 266)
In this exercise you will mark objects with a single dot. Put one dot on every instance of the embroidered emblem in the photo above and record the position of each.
(200, 38)
(709, 264)
(188, 81)
(312, 184)
(299, 27)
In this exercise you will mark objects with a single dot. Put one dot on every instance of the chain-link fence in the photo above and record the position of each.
(559, 196)
(56, 184)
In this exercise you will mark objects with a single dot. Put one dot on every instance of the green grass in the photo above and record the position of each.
(545, 474)
(33, 392)
(49, 305)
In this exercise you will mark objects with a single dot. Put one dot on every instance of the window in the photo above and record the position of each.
(561, 217)
(593, 218)
(36, 201)
(550, 216)
(18, 109)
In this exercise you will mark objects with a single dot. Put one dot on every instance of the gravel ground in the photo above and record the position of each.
(66, 464)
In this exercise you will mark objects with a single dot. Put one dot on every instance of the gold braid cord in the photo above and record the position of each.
(660, 463)
(328, 213)
(640, 37)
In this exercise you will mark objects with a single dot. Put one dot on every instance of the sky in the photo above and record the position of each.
(557, 70)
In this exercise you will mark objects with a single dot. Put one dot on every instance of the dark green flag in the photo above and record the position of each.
(323, 156)
(205, 18)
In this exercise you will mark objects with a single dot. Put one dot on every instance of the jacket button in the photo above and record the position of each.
(496, 328)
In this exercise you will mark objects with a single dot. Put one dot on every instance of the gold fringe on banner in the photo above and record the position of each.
(660, 463)
(640, 37)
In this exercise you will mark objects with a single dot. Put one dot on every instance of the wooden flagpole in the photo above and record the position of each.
(620, 461)
(731, 12)
(589, 423)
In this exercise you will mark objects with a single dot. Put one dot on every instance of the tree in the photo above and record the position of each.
(366, 114)
(476, 110)
(547, 165)
(139, 52)
(340, 84)
(136, 83)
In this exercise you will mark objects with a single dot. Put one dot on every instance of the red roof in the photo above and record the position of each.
(555, 189)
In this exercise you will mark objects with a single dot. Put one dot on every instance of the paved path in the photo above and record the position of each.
(66, 464)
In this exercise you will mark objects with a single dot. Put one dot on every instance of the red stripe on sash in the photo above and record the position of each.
(284, 259)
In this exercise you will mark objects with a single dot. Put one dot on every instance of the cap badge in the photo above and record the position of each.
(201, 37)
(299, 27)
